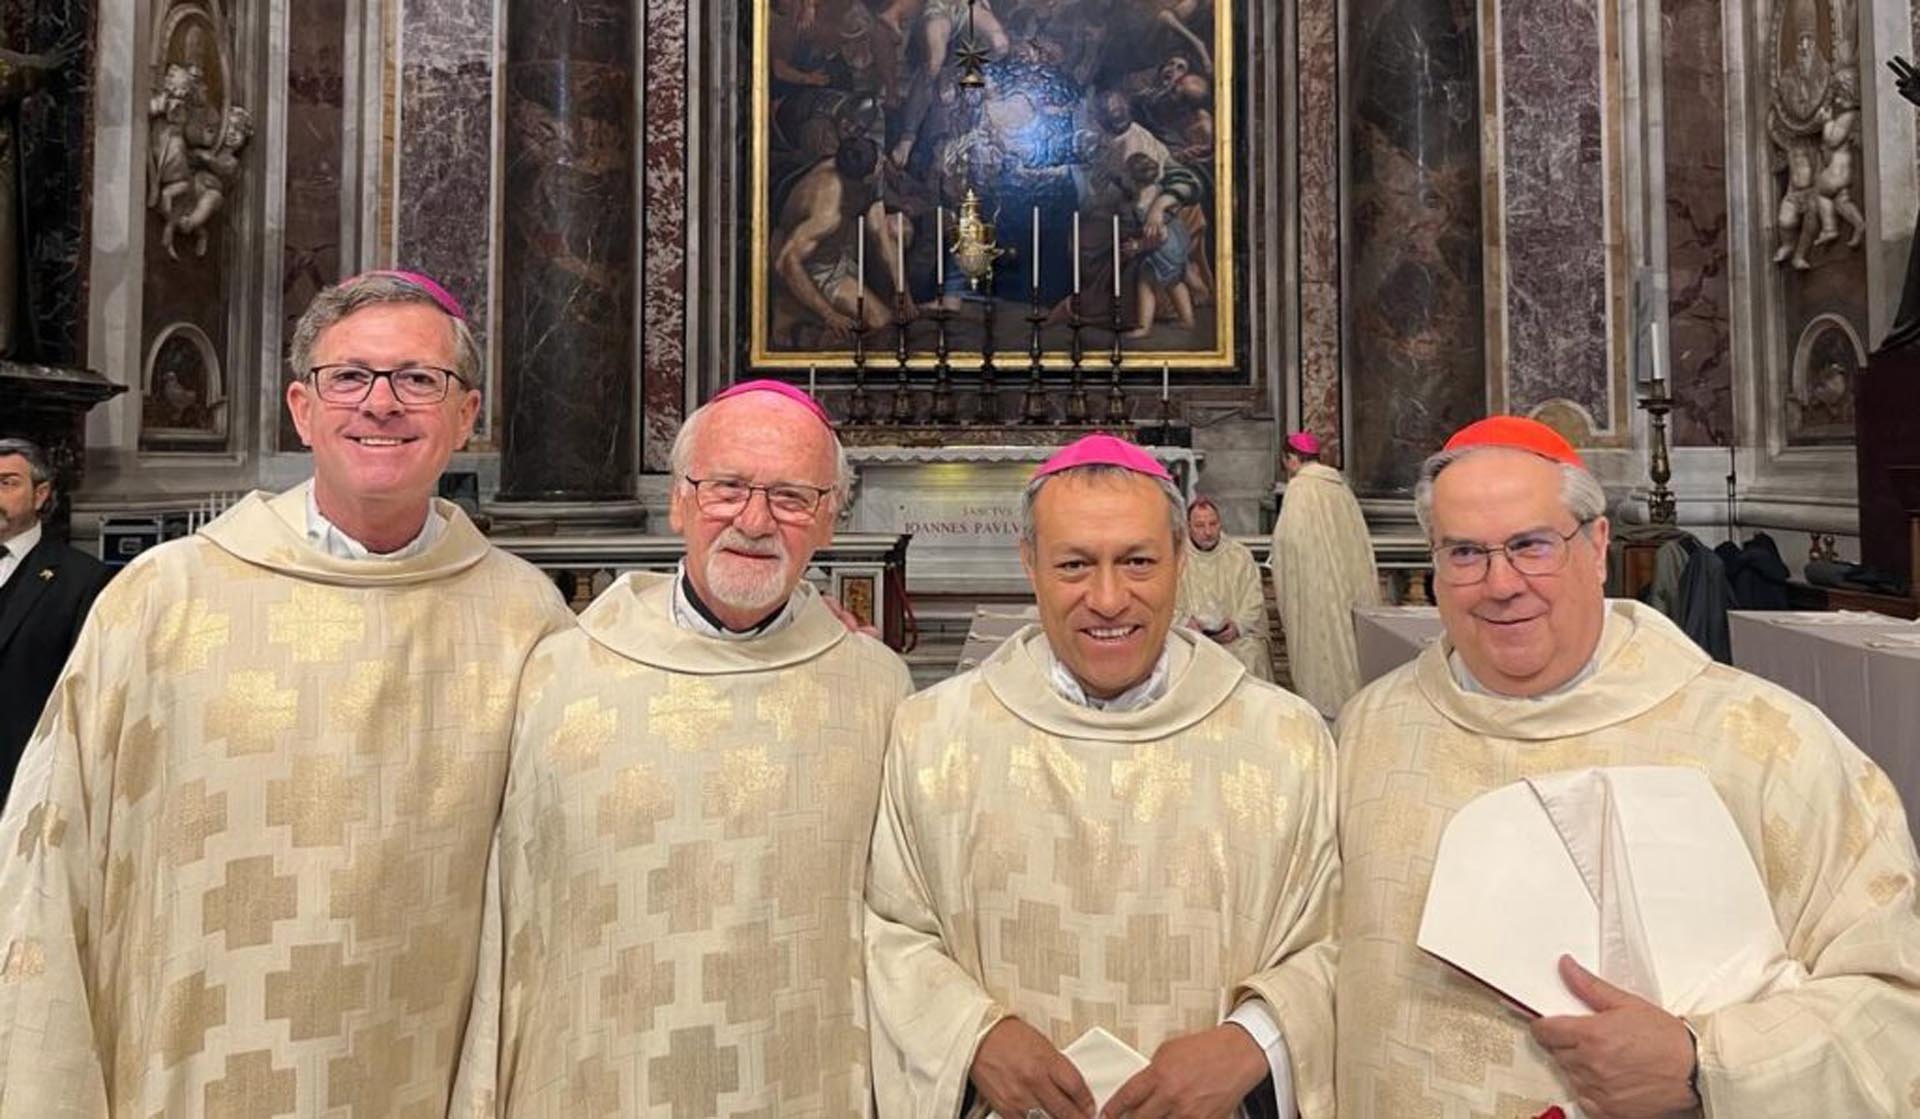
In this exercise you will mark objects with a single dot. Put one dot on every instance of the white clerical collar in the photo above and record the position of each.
(1133, 699)
(1463, 676)
(17, 549)
(687, 616)
(326, 536)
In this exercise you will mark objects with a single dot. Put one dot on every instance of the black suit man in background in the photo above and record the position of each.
(46, 589)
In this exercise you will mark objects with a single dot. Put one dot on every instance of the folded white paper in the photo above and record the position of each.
(1105, 1063)
(1637, 872)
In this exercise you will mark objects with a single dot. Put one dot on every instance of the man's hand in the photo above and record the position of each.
(1228, 634)
(848, 618)
(1199, 1076)
(1017, 1069)
(1629, 1060)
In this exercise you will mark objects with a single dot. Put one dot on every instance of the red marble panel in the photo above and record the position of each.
(1317, 98)
(663, 239)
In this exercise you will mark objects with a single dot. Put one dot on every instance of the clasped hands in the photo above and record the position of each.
(1198, 1076)
(1629, 1059)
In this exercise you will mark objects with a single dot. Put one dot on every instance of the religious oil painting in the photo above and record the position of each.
(939, 161)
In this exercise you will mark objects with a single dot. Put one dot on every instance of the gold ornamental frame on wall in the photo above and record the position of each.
(1045, 132)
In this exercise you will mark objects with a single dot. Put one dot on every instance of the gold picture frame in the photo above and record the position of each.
(1045, 131)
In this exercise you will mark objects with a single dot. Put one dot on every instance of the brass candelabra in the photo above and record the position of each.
(1660, 502)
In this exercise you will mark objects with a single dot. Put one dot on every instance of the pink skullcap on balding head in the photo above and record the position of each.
(441, 296)
(1104, 450)
(1303, 443)
(778, 388)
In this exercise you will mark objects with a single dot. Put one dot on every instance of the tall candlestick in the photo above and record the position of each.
(1036, 252)
(900, 252)
(1116, 257)
(860, 270)
(940, 248)
(1076, 252)
(1163, 381)
(1657, 343)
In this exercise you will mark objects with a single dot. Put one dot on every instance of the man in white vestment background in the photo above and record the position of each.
(1539, 674)
(683, 847)
(1322, 561)
(1108, 824)
(247, 844)
(1220, 591)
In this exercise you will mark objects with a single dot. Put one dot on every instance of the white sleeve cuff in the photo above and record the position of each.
(1256, 1017)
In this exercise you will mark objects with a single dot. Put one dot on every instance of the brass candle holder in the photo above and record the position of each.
(941, 410)
(1077, 411)
(1660, 502)
(1033, 409)
(860, 404)
(1117, 412)
(902, 411)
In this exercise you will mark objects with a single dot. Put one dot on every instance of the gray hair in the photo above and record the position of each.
(374, 289)
(38, 469)
(1176, 504)
(1580, 491)
(680, 457)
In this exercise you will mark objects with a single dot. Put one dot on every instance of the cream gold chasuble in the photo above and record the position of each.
(680, 864)
(1323, 567)
(246, 851)
(1142, 871)
(1822, 823)
(1223, 585)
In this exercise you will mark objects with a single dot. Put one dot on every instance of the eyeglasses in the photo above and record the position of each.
(415, 384)
(1534, 553)
(794, 503)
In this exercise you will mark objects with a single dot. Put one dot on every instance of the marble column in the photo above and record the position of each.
(1416, 367)
(567, 256)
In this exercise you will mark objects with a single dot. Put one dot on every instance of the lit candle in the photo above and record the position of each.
(940, 248)
(861, 268)
(900, 252)
(1657, 342)
(1116, 258)
(1076, 252)
(1164, 371)
(1036, 250)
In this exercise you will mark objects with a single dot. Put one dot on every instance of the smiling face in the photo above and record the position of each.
(1520, 635)
(1105, 567)
(381, 453)
(744, 564)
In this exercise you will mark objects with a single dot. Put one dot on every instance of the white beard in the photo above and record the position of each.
(739, 589)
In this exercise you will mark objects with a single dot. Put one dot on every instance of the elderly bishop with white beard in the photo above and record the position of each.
(676, 911)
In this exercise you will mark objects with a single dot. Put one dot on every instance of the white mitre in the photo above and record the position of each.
(1637, 872)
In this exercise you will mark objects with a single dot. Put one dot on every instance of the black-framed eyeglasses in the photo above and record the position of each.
(794, 503)
(1530, 553)
(412, 384)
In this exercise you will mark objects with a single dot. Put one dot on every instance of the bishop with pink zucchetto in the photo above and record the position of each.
(1103, 872)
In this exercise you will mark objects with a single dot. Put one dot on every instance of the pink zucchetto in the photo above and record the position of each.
(778, 388)
(1303, 443)
(435, 290)
(1104, 450)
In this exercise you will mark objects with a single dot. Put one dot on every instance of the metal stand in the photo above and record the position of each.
(1117, 412)
(860, 404)
(1077, 412)
(942, 410)
(988, 411)
(1033, 409)
(1660, 503)
(902, 393)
